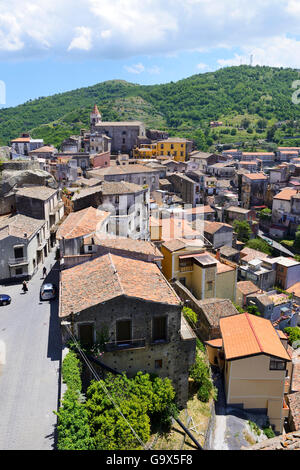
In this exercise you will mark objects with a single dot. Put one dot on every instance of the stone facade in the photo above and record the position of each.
(170, 358)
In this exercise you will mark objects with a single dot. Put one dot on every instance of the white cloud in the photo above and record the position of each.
(83, 39)
(279, 51)
(137, 68)
(128, 28)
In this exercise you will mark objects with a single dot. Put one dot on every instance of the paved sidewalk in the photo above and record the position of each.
(30, 352)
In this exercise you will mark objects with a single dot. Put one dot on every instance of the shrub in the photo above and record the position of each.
(254, 310)
(294, 335)
(190, 316)
(200, 373)
(200, 345)
(71, 369)
(143, 400)
(73, 427)
(269, 432)
(205, 390)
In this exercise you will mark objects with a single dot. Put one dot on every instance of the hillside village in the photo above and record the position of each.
(169, 261)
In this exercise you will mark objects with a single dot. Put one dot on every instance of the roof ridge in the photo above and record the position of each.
(82, 215)
(253, 331)
(116, 272)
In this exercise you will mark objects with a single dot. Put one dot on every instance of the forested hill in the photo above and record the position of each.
(188, 104)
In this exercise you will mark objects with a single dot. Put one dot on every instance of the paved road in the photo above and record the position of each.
(273, 243)
(30, 352)
(231, 430)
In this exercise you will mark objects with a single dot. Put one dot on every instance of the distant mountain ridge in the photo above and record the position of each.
(190, 103)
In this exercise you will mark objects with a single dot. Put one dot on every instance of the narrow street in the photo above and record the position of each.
(30, 354)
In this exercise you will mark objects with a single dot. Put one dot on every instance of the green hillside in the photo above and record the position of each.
(261, 94)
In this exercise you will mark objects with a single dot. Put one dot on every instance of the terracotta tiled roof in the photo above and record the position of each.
(199, 210)
(174, 245)
(248, 254)
(96, 110)
(286, 194)
(21, 139)
(19, 225)
(213, 227)
(256, 176)
(247, 287)
(246, 335)
(215, 309)
(295, 288)
(128, 244)
(45, 149)
(215, 343)
(37, 192)
(79, 224)
(110, 276)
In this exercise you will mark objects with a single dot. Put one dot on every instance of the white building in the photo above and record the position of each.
(23, 246)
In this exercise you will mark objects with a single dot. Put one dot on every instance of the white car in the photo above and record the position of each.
(48, 292)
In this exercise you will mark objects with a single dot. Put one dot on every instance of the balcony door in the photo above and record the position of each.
(123, 331)
(86, 335)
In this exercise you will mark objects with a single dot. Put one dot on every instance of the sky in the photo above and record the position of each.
(52, 46)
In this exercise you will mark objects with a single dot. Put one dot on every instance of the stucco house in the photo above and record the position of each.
(257, 367)
(24, 245)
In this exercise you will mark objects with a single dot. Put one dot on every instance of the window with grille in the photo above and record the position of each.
(277, 364)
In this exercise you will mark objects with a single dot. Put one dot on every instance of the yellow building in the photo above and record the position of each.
(173, 147)
(206, 277)
(257, 367)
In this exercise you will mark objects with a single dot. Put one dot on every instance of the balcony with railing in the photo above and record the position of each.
(17, 261)
(125, 345)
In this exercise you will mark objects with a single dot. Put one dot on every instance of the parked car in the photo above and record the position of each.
(48, 292)
(5, 299)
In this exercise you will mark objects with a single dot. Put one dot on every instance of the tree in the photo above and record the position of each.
(253, 310)
(243, 230)
(259, 245)
(200, 373)
(271, 133)
(294, 335)
(144, 401)
(245, 123)
(297, 238)
(265, 214)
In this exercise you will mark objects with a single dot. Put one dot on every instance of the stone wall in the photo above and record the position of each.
(203, 330)
(177, 355)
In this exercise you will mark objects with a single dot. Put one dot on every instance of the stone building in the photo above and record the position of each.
(129, 302)
(254, 189)
(123, 135)
(137, 174)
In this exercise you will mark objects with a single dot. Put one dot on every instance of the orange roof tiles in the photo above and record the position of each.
(247, 287)
(256, 176)
(79, 224)
(247, 335)
(215, 343)
(111, 276)
(286, 194)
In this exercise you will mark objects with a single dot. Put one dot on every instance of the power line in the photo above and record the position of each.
(104, 388)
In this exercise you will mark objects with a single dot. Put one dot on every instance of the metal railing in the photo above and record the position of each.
(13, 261)
(125, 345)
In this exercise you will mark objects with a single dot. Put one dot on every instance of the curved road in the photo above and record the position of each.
(30, 354)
